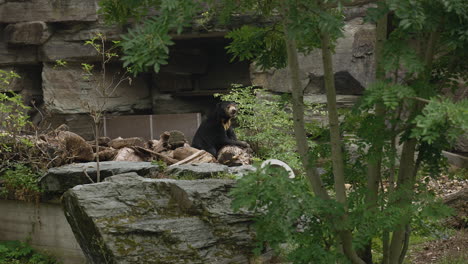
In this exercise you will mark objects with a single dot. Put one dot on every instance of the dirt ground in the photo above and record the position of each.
(453, 250)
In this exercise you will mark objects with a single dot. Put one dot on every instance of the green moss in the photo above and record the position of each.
(125, 245)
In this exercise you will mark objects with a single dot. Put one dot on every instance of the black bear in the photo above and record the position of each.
(216, 131)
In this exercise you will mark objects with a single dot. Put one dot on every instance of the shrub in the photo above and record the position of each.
(16, 252)
(265, 122)
(20, 183)
(13, 121)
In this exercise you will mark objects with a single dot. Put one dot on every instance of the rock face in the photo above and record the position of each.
(48, 10)
(28, 33)
(130, 219)
(60, 179)
(66, 91)
(15, 55)
(55, 49)
(353, 63)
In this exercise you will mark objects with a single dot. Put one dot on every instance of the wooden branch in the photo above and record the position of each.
(349, 4)
(420, 99)
(87, 175)
(190, 158)
(164, 158)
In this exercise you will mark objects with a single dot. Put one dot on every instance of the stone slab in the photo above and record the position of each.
(48, 11)
(60, 179)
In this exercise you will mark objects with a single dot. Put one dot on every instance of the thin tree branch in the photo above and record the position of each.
(350, 4)
(87, 175)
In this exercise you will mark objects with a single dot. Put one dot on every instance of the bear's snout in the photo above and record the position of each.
(232, 110)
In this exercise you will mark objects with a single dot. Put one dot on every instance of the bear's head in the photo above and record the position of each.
(227, 110)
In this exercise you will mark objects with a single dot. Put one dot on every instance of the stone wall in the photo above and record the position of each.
(44, 225)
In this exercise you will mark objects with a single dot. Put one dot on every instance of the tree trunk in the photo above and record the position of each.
(407, 172)
(335, 138)
(374, 160)
(405, 186)
(315, 182)
(96, 141)
(335, 141)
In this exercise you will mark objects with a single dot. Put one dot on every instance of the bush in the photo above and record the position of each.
(20, 183)
(13, 121)
(265, 122)
(16, 252)
(289, 218)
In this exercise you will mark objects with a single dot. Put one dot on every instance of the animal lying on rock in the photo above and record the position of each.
(216, 131)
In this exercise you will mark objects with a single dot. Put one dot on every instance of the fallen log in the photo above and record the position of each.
(191, 157)
(160, 156)
(119, 142)
(184, 152)
(107, 154)
(156, 145)
(127, 154)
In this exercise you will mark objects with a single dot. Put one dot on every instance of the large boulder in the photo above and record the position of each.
(131, 219)
(60, 179)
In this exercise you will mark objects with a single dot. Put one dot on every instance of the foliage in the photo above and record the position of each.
(162, 166)
(21, 183)
(60, 63)
(458, 174)
(147, 45)
(288, 216)
(16, 252)
(105, 88)
(388, 94)
(264, 45)
(14, 120)
(442, 121)
(12, 108)
(294, 222)
(424, 52)
(265, 122)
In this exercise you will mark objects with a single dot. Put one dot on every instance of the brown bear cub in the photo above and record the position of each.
(216, 131)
